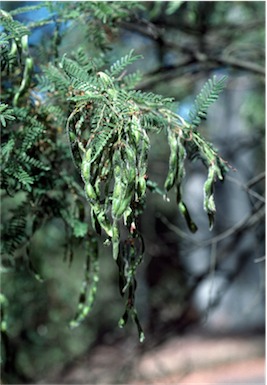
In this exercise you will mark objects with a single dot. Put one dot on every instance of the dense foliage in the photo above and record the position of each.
(107, 122)
(77, 135)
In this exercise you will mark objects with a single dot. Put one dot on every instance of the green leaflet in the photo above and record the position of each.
(101, 140)
(208, 95)
(122, 63)
(5, 114)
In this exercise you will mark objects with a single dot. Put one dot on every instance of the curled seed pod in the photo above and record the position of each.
(124, 181)
(90, 192)
(121, 202)
(181, 160)
(173, 161)
(136, 130)
(142, 159)
(86, 165)
(122, 205)
(89, 285)
(119, 192)
(184, 211)
(180, 175)
(115, 239)
(85, 170)
(209, 204)
(102, 219)
(88, 154)
(141, 187)
(95, 223)
(129, 155)
(97, 186)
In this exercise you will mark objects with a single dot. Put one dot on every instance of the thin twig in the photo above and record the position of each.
(256, 179)
(248, 221)
(246, 188)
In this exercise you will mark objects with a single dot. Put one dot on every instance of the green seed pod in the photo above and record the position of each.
(121, 206)
(88, 154)
(209, 204)
(85, 170)
(181, 160)
(142, 161)
(130, 155)
(97, 186)
(141, 187)
(115, 240)
(102, 218)
(184, 211)
(135, 130)
(131, 176)
(89, 189)
(173, 161)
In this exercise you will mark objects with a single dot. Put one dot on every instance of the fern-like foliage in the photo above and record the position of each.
(5, 114)
(81, 110)
(108, 128)
(16, 30)
(117, 68)
(208, 95)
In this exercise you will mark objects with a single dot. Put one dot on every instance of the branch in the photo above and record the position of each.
(244, 224)
(236, 63)
(151, 31)
(246, 187)
(256, 179)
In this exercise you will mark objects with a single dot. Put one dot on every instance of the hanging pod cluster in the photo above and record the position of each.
(176, 172)
(108, 134)
(115, 185)
(115, 181)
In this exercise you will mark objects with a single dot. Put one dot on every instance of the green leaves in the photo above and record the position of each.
(108, 124)
(122, 63)
(5, 114)
(108, 130)
(208, 95)
(15, 29)
(209, 203)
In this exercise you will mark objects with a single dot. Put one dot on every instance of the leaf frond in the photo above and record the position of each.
(208, 95)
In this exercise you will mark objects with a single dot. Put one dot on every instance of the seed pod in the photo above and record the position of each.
(181, 160)
(121, 206)
(136, 130)
(102, 218)
(129, 154)
(115, 239)
(181, 170)
(120, 201)
(88, 154)
(89, 285)
(184, 211)
(142, 165)
(173, 161)
(85, 170)
(209, 204)
(90, 192)
(141, 187)
(124, 180)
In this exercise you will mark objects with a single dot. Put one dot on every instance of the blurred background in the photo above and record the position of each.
(201, 297)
